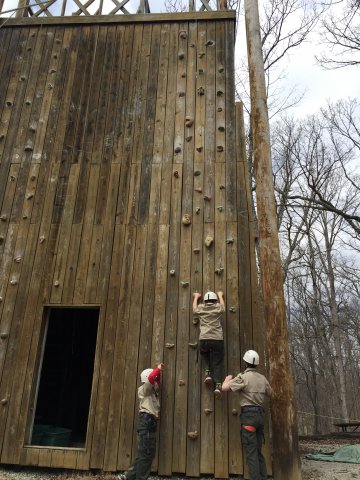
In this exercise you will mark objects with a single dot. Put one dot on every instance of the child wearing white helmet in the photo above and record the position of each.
(252, 388)
(211, 337)
(149, 409)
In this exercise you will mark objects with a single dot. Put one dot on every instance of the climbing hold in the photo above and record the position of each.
(183, 34)
(169, 345)
(193, 345)
(207, 198)
(18, 259)
(234, 411)
(193, 435)
(188, 138)
(2, 240)
(196, 250)
(219, 109)
(58, 41)
(3, 217)
(208, 241)
(232, 309)
(184, 284)
(192, 45)
(181, 383)
(198, 189)
(23, 78)
(199, 149)
(189, 122)
(201, 91)
(32, 178)
(196, 270)
(2, 136)
(221, 69)
(25, 216)
(28, 102)
(181, 56)
(50, 86)
(229, 240)
(52, 70)
(172, 272)
(183, 75)
(207, 411)
(13, 282)
(4, 401)
(197, 210)
(201, 54)
(197, 173)
(3, 335)
(220, 208)
(209, 43)
(55, 55)
(200, 71)
(29, 147)
(219, 271)
(219, 93)
(220, 148)
(176, 174)
(181, 94)
(12, 178)
(1, 299)
(8, 103)
(56, 283)
(221, 128)
(29, 196)
(186, 219)
(32, 128)
(42, 239)
(177, 150)
(222, 187)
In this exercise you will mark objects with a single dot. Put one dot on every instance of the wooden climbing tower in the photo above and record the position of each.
(114, 125)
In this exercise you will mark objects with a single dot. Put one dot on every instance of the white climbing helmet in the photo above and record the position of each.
(210, 296)
(145, 374)
(251, 357)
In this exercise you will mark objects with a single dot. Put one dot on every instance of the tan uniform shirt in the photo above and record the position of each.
(149, 399)
(252, 386)
(210, 315)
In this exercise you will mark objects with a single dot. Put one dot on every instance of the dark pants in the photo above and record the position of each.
(146, 428)
(252, 443)
(212, 354)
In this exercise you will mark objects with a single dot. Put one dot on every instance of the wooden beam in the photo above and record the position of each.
(115, 19)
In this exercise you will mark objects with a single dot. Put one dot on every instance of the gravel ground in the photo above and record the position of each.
(312, 470)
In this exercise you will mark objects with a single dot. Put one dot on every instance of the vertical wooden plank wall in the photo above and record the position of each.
(109, 134)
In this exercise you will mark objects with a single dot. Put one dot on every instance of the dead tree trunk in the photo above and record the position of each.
(285, 439)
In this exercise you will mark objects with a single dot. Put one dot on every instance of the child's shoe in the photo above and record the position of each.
(217, 391)
(208, 380)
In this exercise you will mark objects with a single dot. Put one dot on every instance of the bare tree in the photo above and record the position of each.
(318, 156)
(316, 192)
(341, 35)
(285, 25)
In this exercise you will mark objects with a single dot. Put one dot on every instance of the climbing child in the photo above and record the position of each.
(149, 409)
(211, 338)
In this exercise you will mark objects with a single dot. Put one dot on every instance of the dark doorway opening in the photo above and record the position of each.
(63, 397)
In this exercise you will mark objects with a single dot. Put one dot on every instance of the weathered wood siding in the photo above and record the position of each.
(98, 166)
